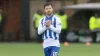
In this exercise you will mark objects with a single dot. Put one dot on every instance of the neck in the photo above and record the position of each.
(48, 15)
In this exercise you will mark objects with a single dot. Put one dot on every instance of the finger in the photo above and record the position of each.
(47, 21)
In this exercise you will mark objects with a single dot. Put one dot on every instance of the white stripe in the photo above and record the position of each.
(57, 36)
(53, 19)
(48, 34)
(44, 21)
(52, 34)
(53, 25)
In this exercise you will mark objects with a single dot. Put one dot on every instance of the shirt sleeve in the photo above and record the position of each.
(56, 29)
(41, 29)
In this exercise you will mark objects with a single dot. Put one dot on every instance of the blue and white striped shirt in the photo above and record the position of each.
(53, 31)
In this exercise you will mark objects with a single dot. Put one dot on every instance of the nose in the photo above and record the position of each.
(48, 9)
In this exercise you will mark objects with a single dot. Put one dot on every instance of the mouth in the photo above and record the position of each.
(48, 11)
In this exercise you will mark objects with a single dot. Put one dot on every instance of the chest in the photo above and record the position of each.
(53, 21)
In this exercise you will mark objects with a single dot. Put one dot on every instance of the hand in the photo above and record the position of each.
(48, 22)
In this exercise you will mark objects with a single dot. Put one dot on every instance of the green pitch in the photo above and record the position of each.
(34, 49)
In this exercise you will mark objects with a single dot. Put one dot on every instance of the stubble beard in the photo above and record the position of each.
(49, 14)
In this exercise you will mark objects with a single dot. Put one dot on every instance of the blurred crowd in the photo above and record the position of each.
(77, 25)
(3, 21)
(91, 34)
(61, 14)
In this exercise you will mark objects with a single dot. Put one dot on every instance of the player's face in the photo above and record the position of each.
(48, 10)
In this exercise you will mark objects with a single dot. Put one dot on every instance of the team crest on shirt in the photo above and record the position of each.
(59, 24)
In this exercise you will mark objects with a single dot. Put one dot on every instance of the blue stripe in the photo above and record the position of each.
(42, 36)
(45, 33)
(55, 36)
(42, 22)
(50, 33)
(55, 27)
(54, 22)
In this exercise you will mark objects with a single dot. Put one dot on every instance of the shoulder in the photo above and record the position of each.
(92, 18)
(57, 18)
(42, 19)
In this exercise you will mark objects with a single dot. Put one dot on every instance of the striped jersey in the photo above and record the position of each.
(50, 35)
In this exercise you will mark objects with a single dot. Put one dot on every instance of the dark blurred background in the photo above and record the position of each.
(19, 20)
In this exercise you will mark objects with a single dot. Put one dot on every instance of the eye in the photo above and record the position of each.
(49, 8)
(46, 8)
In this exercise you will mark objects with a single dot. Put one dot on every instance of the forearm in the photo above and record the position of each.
(57, 29)
(41, 30)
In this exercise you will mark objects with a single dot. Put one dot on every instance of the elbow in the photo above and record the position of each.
(39, 32)
(59, 31)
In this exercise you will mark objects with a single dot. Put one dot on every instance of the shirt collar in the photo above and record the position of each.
(49, 17)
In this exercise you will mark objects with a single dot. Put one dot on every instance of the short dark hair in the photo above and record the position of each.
(47, 4)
